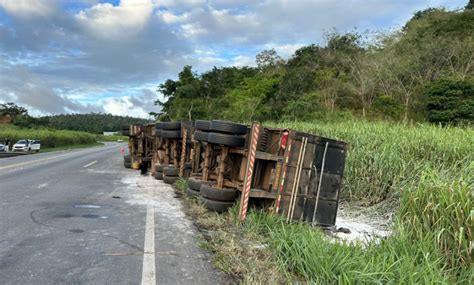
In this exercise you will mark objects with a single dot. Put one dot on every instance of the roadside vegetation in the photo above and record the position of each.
(112, 138)
(49, 138)
(425, 172)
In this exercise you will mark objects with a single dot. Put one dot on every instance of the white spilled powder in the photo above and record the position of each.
(366, 224)
(166, 206)
(361, 230)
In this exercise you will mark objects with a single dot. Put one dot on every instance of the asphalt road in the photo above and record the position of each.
(60, 224)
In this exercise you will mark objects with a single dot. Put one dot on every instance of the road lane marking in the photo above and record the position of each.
(42, 185)
(148, 270)
(89, 164)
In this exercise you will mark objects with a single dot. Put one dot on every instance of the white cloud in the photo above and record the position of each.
(284, 50)
(170, 18)
(132, 105)
(193, 30)
(243, 61)
(107, 20)
(28, 8)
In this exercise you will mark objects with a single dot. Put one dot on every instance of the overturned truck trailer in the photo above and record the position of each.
(299, 173)
(295, 174)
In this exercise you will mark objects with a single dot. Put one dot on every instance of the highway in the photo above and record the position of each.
(80, 217)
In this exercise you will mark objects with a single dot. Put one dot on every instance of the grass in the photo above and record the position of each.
(385, 158)
(427, 170)
(112, 138)
(67, 147)
(50, 138)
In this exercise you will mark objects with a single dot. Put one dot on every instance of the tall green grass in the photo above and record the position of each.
(429, 170)
(306, 254)
(385, 158)
(48, 137)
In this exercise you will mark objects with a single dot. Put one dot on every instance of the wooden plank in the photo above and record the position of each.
(207, 158)
(175, 152)
(257, 193)
(221, 166)
(283, 176)
(268, 156)
(238, 151)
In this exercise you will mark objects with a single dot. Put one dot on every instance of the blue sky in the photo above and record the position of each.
(109, 56)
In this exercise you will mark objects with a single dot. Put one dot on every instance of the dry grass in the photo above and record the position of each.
(241, 253)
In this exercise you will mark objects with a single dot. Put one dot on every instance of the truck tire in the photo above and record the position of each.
(170, 179)
(216, 206)
(226, 140)
(218, 194)
(171, 134)
(201, 136)
(159, 167)
(195, 183)
(203, 125)
(228, 127)
(127, 164)
(127, 158)
(192, 193)
(171, 126)
(170, 171)
(159, 175)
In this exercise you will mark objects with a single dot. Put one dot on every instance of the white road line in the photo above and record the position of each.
(89, 164)
(42, 185)
(148, 271)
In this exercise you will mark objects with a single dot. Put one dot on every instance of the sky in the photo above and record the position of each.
(81, 56)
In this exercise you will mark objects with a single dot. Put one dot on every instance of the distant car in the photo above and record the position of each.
(21, 145)
(35, 145)
(119, 140)
(2, 148)
(27, 145)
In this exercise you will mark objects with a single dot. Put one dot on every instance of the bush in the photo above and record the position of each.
(48, 137)
(387, 107)
(450, 101)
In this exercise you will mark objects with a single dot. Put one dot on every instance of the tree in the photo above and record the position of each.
(12, 110)
(249, 101)
(450, 101)
(362, 81)
(470, 5)
(268, 59)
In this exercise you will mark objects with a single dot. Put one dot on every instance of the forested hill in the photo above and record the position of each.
(93, 123)
(424, 71)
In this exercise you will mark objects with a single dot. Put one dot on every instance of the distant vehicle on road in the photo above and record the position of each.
(27, 145)
(35, 145)
(2, 148)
